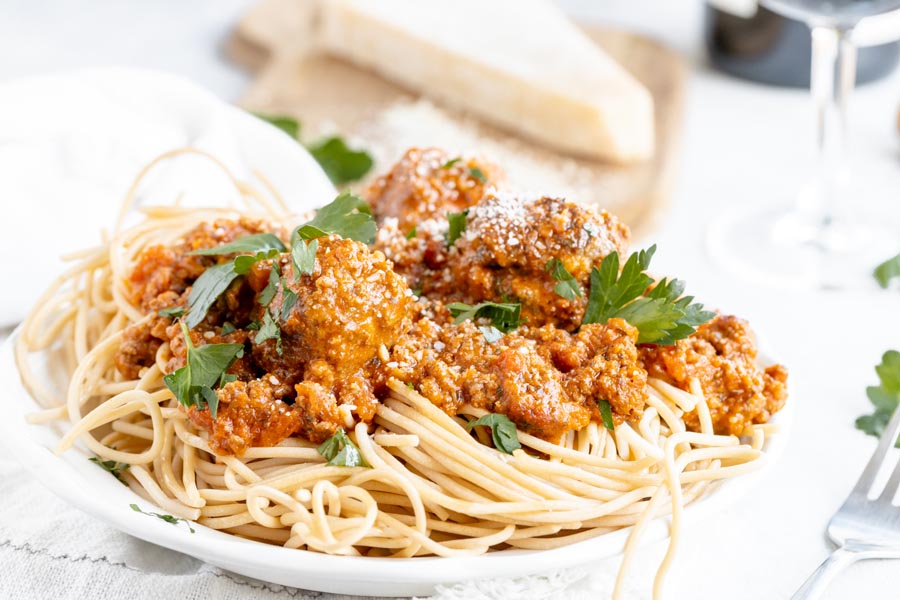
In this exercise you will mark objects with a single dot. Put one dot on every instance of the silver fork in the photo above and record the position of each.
(862, 528)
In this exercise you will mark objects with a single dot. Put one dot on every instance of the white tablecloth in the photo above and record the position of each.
(744, 143)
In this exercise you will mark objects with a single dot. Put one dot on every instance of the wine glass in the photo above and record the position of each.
(817, 242)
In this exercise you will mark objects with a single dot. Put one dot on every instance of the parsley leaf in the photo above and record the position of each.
(885, 397)
(888, 270)
(269, 330)
(568, 286)
(227, 328)
(661, 316)
(192, 384)
(206, 289)
(505, 317)
(303, 255)
(340, 163)
(340, 451)
(173, 312)
(606, 414)
(348, 215)
(411, 234)
(289, 299)
(265, 296)
(113, 467)
(451, 162)
(503, 431)
(167, 518)
(478, 174)
(457, 223)
(255, 243)
(289, 125)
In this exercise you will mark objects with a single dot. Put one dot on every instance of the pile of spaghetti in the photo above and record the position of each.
(437, 368)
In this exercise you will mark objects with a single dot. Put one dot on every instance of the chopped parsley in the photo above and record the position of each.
(457, 225)
(888, 270)
(662, 316)
(568, 286)
(266, 243)
(289, 299)
(167, 518)
(504, 317)
(173, 312)
(289, 125)
(348, 216)
(269, 330)
(884, 397)
(227, 328)
(194, 383)
(340, 451)
(340, 163)
(478, 174)
(117, 469)
(606, 414)
(503, 431)
(268, 293)
(411, 234)
(451, 162)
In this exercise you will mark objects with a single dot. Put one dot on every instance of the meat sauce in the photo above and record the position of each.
(370, 314)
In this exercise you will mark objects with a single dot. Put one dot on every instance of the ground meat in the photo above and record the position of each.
(248, 415)
(508, 245)
(350, 306)
(429, 183)
(137, 350)
(344, 331)
(162, 269)
(544, 379)
(721, 356)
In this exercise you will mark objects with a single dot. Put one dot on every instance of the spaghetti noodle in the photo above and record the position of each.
(431, 487)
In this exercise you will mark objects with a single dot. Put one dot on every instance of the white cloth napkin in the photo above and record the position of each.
(71, 145)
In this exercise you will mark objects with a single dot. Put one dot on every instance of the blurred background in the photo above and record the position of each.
(736, 152)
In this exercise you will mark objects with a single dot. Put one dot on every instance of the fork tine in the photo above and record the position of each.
(887, 441)
(890, 488)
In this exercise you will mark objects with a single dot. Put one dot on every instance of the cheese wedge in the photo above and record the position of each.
(519, 64)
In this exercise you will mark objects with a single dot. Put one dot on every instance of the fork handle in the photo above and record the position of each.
(846, 555)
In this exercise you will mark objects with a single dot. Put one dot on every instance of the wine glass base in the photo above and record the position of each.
(787, 249)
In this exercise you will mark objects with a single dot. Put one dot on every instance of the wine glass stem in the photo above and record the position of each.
(832, 78)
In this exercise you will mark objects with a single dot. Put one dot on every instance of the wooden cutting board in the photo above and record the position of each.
(330, 96)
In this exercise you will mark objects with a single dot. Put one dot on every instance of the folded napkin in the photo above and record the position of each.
(72, 144)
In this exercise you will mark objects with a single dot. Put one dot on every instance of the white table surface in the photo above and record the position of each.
(743, 143)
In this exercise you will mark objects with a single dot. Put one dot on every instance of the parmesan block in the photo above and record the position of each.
(518, 64)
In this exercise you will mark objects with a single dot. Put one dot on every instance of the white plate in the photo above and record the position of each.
(80, 483)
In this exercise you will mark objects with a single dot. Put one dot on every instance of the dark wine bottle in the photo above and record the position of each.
(770, 48)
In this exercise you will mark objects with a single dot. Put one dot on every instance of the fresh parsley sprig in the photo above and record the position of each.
(206, 369)
(503, 431)
(662, 316)
(213, 282)
(171, 519)
(887, 271)
(503, 317)
(456, 223)
(568, 286)
(348, 216)
(606, 414)
(884, 397)
(341, 163)
(340, 451)
(116, 469)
